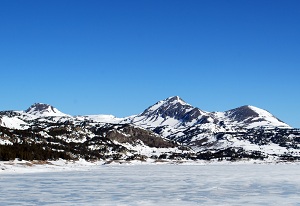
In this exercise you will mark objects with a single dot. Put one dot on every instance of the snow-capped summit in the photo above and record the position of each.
(40, 109)
(169, 102)
(173, 111)
(175, 100)
(173, 107)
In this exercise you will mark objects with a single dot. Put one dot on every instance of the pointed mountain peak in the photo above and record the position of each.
(174, 101)
(173, 98)
(41, 109)
(173, 107)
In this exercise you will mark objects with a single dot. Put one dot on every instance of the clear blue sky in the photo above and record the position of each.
(119, 57)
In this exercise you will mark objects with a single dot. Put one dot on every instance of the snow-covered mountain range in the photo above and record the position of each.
(170, 116)
(162, 128)
(173, 114)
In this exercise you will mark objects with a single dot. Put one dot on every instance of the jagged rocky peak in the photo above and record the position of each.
(44, 110)
(39, 107)
(173, 107)
(176, 100)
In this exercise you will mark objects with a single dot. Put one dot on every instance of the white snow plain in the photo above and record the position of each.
(159, 184)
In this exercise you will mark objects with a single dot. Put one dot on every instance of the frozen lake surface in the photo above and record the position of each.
(156, 185)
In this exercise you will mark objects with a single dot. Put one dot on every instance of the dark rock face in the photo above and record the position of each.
(130, 134)
(246, 114)
(241, 114)
(38, 107)
(176, 111)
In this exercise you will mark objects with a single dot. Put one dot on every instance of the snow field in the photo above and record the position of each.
(214, 184)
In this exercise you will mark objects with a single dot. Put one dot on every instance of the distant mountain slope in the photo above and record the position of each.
(250, 117)
(40, 109)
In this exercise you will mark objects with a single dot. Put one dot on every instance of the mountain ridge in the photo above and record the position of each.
(168, 129)
(176, 112)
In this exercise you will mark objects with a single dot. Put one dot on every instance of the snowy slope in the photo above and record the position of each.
(13, 122)
(101, 118)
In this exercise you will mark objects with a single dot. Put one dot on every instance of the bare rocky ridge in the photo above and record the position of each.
(39, 107)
